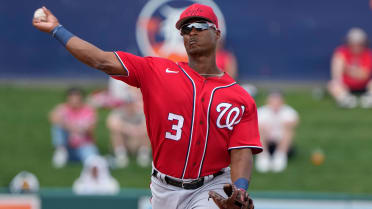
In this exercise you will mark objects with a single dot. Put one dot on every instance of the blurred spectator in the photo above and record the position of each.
(113, 96)
(95, 178)
(127, 127)
(24, 182)
(277, 122)
(351, 70)
(73, 123)
(226, 61)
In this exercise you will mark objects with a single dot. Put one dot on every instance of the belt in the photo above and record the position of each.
(186, 185)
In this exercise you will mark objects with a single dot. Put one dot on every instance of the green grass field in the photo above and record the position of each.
(345, 136)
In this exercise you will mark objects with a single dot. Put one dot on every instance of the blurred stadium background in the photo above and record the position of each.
(283, 44)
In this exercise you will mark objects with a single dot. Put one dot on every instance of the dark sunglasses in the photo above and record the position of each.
(199, 26)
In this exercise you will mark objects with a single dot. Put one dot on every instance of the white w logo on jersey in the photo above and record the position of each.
(232, 115)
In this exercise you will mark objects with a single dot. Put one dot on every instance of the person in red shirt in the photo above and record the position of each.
(351, 70)
(202, 125)
(226, 60)
(73, 124)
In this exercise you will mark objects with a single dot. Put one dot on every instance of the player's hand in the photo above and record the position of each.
(236, 198)
(47, 25)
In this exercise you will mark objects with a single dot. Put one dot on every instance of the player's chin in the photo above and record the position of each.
(195, 50)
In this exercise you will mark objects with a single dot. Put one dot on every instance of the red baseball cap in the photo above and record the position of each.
(197, 11)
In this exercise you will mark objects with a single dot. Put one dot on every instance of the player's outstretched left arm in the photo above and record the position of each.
(241, 166)
(80, 49)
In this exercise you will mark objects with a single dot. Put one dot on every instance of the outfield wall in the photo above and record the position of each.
(139, 199)
(272, 39)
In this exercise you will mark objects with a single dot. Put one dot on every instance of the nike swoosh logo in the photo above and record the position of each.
(170, 71)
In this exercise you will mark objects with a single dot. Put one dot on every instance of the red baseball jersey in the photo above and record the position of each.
(192, 121)
(362, 60)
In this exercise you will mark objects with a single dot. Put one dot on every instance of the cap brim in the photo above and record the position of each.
(186, 19)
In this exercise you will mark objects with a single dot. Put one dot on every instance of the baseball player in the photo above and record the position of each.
(202, 125)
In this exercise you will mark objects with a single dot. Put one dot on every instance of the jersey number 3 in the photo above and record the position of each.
(176, 127)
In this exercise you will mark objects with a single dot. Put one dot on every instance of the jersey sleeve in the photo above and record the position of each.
(135, 66)
(245, 134)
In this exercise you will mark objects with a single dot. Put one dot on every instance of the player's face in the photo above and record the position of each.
(199, 39)
(75, 100)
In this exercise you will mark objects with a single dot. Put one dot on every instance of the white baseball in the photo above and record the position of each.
(40, 14)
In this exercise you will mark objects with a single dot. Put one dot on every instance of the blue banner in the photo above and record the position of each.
(272, 39)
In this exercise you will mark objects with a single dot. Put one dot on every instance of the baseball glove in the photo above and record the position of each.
(236, 198)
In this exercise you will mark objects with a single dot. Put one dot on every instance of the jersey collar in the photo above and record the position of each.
(224, 79)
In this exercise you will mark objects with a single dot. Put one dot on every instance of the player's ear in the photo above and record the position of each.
(218, 34)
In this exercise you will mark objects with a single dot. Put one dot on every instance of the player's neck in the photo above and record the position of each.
(204, 65)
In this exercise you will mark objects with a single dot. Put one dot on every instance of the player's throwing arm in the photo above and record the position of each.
(45, 21)
(202, 125)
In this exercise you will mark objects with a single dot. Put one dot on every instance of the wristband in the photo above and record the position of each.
(242, 183)
(62, 34)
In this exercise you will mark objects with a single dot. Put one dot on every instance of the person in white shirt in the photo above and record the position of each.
(277, 122)
(95, 178)
(127, 126)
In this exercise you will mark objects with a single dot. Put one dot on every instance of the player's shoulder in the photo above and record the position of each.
(239, 90)
(160, 60)
(150, 59)
(242, 97)
(160, 64)
(236, 89)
